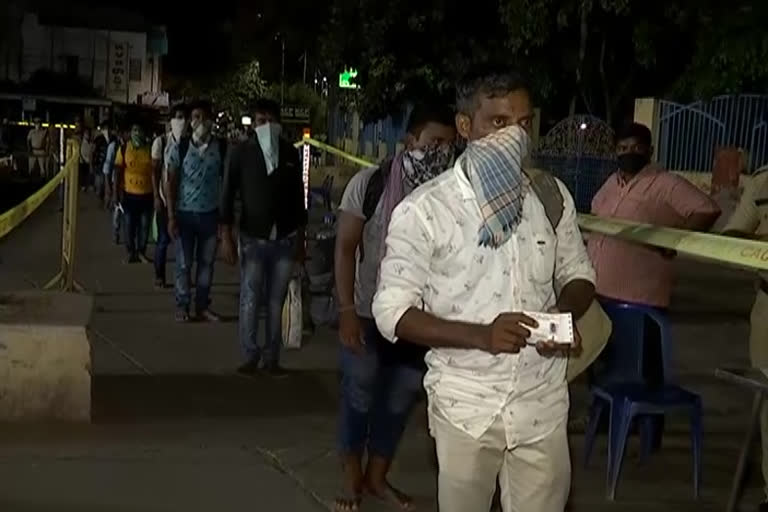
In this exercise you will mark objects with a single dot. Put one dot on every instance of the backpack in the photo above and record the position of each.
(545, 187)
(375, 188)
(594, 326)
(184, 148)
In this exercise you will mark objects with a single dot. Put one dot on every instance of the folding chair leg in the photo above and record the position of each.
(595, 413)
(696, 428)
(618, 442)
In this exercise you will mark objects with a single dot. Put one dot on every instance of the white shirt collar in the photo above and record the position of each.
(465, 187)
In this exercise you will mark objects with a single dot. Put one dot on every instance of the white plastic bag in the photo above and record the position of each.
(292, 315)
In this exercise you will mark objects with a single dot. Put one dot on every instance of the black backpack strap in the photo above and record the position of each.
(183, 148)
(545, 187)
(375, 188)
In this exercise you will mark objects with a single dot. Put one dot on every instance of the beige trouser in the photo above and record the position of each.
(758, 354)
(41, 161)
(533, 478)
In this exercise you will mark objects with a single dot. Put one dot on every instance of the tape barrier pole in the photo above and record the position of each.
(65, 278)
(724, 249)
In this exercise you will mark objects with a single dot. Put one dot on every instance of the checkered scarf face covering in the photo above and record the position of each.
(494, 166)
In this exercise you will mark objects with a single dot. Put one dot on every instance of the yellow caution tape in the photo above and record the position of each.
(736, 251)
(16, 215)
(725, 249)
(334, 151)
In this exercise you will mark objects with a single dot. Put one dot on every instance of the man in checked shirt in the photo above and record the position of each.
(467, 253)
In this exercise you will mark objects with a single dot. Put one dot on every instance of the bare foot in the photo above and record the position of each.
(349, 498)
(388, 494)
(347, 502)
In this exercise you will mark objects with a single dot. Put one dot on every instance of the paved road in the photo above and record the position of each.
(175, 429)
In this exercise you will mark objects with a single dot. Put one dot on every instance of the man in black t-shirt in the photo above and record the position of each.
(266, 172)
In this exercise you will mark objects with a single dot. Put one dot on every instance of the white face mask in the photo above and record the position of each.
(268, 135)
(177, 127)
(200, 130)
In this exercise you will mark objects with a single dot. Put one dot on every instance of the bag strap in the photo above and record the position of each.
(545, 187)
(183, 149)
(375, 189)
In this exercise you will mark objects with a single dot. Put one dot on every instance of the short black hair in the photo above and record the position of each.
(204, 105)
(635, 131)
(105, 123)
(424, 113)
(267, 106)
(490, 81)
(179, 107)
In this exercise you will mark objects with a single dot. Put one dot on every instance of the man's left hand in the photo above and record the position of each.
(554, 349)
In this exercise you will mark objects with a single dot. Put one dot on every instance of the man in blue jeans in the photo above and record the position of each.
(161, 148)
(380, 381)
(192, 193)
(266, 172)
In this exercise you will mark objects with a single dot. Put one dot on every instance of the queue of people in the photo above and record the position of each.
(438, 262)
(441, 256)
(186, 181)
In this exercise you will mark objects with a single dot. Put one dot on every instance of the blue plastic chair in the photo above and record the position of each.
(323, 192)
(628, 397)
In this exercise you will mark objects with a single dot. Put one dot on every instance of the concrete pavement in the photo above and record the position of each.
(175, 428)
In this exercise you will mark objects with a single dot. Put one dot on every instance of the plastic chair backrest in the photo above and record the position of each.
(624, 352)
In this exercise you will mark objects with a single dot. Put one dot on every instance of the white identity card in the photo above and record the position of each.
(556, 327)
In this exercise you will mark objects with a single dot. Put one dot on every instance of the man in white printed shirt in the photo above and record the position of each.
(467, 253)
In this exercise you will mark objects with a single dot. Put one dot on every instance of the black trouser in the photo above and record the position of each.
(138, 216)
(161, 244)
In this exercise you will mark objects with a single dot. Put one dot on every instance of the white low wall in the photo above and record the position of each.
(45, 357)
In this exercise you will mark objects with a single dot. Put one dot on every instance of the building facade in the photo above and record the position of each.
(121, 61)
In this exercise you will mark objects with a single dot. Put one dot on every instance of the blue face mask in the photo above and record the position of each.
(268, 136)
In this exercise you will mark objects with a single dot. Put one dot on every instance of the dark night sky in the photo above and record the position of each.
(210, 39)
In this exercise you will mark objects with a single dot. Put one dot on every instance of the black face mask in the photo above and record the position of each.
(633, 163)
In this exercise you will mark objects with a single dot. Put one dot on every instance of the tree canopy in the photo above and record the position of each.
(592, 56)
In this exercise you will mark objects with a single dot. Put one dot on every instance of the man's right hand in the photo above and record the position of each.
(507, 334)
(228, 249)
(350, 332)
(173, 227)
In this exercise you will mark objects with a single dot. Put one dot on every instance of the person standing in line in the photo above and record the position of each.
(111, 202)
(37, 146)
(266, 171)
(100, 148)
(468, 254)
(380, 381)
(750, 220)
(161, 147)
(133, 191)
(192, 192)
(86, 158)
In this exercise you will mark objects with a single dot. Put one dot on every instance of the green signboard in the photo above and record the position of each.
(347, 79)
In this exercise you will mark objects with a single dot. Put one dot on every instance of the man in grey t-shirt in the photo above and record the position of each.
(380, 381)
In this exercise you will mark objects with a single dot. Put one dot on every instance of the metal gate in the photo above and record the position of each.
(689, 134)
(580, 151)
